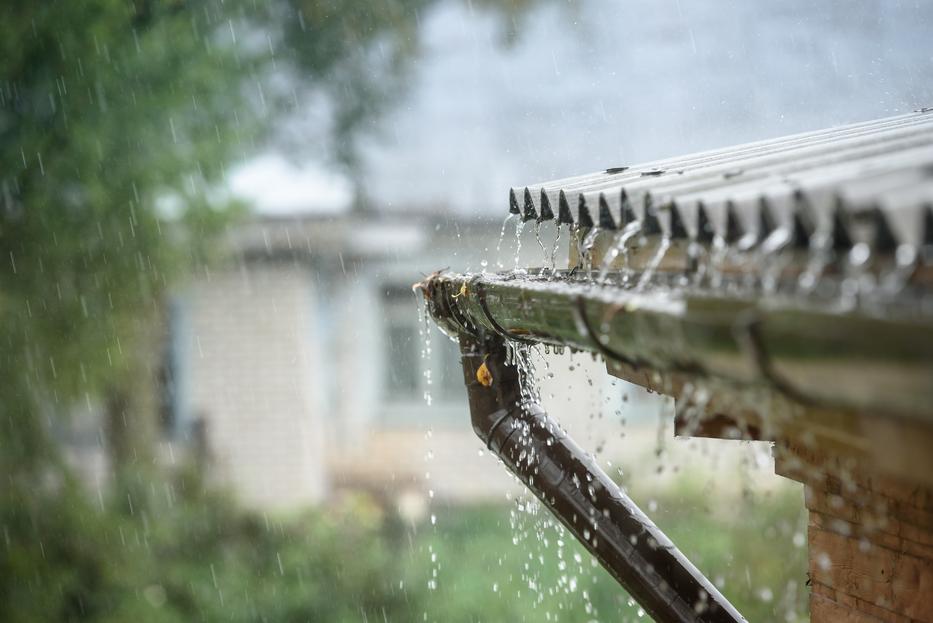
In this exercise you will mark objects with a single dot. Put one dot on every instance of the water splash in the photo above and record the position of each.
(554, 248)
(586, 251)
(519, 228)
(716, 258)
(424, 335)
(505, 224)
(537, 230)
(819, 260)
(775, 265)
(619, 247)
(428, 459)
(653, 265)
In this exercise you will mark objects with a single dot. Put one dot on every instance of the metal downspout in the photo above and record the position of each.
(598, 513)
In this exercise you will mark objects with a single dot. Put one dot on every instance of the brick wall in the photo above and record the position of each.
(870, 539)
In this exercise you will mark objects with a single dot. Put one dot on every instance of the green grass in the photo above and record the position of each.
(748, 549)
(202, 559)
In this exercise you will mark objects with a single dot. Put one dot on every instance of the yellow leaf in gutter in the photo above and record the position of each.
(484, 376)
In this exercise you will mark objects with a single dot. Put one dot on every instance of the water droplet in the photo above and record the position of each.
(824, 561)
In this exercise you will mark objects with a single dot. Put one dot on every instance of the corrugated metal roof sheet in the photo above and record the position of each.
(803, 264)
(871, 181)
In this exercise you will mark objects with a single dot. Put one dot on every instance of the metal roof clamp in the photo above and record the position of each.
(747, 331)
(587, 329)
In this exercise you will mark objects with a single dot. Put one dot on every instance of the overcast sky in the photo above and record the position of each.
(611, 82)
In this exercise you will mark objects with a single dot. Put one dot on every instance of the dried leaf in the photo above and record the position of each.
(484, 376)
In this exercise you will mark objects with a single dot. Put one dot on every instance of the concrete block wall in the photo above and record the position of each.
(252, 374)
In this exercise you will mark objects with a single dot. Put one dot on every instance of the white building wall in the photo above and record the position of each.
(255, 380)
(358, 369)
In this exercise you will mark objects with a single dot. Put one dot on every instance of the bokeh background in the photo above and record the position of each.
(220, 400)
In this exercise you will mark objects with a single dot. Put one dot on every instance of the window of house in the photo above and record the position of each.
(402, 368)
(171, 374)
(406, 369)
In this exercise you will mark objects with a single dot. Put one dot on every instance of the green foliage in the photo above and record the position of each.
(333, 42)
(360, 55)
(193, 556)
(104, 106)
(546, 575)
(485, 576)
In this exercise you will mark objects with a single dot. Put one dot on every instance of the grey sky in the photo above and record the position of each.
(610, 82)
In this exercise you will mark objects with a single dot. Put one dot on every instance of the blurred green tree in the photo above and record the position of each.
(118, 119)
(105, 107)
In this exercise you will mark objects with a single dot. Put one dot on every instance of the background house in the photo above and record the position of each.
(301, 367)
(307, 367)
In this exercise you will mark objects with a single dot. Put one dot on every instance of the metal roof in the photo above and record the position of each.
(868, 182)
(802, 264)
